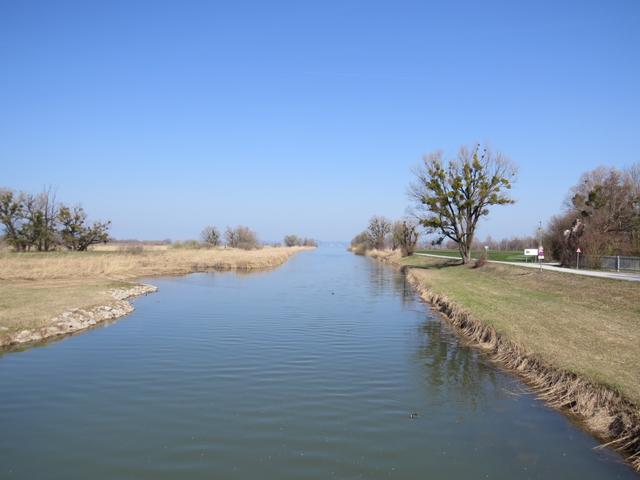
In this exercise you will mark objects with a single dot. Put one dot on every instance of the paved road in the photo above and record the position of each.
(630, 277)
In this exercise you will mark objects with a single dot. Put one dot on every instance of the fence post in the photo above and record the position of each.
(618, 263)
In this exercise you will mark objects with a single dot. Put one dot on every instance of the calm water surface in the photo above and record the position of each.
(308, 371)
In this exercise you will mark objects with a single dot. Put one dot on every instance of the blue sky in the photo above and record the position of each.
(306, 117)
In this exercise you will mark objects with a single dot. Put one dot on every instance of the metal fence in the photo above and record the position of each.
(618, 263)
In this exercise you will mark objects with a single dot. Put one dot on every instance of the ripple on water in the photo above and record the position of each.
(309, 371)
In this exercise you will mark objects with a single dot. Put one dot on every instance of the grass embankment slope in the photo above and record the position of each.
(575, 339)
(589, 326)
(35, 287)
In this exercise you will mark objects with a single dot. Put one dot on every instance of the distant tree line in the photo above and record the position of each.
(38, 222)
(295, 241)
(233, 237)
(245, 238)
(381, 233)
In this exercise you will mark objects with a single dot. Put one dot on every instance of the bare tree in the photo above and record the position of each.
(378, 229)
(211, 236)
(241, 237)
(76, 234)
(360, 243)
(450, 199)
(41, 215)
(12, 219)
(291, 240)
(405, 237)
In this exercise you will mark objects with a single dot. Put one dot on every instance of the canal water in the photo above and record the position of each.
(327, 367)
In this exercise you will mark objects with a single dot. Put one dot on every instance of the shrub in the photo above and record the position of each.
(378, 229)
(405, 237)
(291, 240)
(241, 237)
(211, 236)
(360, 243)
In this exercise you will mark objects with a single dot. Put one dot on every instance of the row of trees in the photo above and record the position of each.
(382, 233)
(245, 238)
(38, 222)
(238, 237)
(295, 241)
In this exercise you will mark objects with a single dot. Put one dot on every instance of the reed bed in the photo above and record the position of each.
(122, 265)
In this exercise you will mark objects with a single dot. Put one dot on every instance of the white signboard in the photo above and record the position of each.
(530, 252)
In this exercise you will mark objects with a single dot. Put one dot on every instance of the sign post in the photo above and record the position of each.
(540, 255)
(578, 252)
(530, 252)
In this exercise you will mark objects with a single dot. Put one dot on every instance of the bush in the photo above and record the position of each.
(211, 236)
(379, 228)
(405, 237)
(241, 237)
(291, 240)
(360, 243)
(295, 241)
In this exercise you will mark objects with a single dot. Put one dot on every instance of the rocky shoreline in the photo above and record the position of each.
(78, 319)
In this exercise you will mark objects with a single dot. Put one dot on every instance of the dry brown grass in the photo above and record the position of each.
(123, 247)
(35, 287)
(118, 265)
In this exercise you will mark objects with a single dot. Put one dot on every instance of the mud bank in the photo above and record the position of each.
(78, 319)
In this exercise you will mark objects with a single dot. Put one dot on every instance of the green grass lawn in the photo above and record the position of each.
(503, 256)
(586, 325)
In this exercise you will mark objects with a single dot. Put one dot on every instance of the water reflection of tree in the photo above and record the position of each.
(387, 280)
(453, 369)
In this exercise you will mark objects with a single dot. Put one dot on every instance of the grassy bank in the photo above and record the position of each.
(499, 255)
(585, 325)
(575, 339)
(36, 287)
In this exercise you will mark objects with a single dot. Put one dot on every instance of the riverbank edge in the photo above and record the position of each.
(76, 320)
(604, 412)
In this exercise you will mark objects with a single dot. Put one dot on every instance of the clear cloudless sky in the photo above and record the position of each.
(306, 117)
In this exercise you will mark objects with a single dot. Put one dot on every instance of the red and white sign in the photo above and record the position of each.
(578, 250)
(541, 253)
